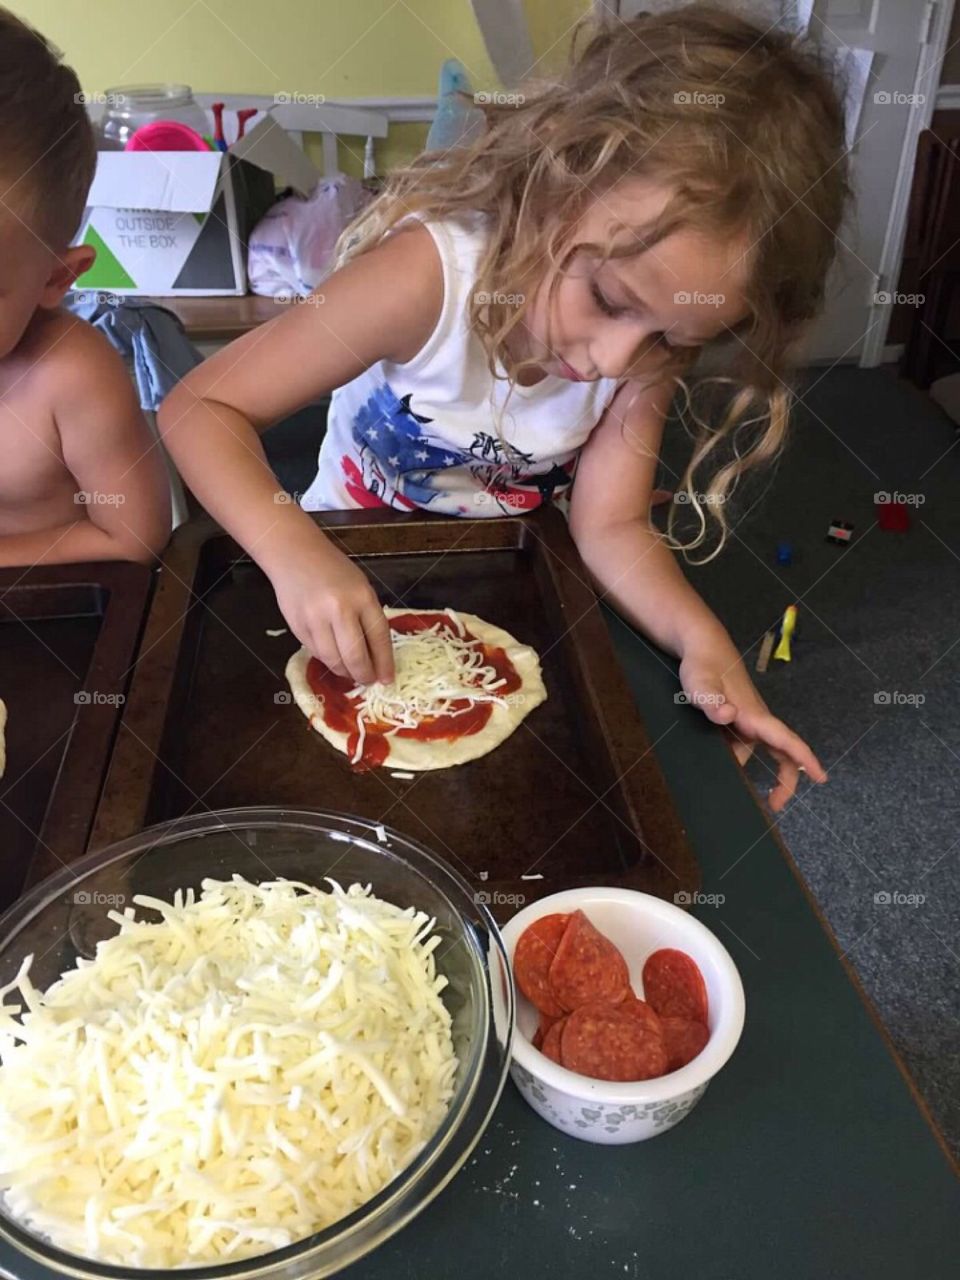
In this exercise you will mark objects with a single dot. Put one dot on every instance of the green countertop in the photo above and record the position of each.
(807, 1157)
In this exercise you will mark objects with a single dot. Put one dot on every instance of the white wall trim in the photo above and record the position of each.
(364, 116)
(301, 114)
(401, 110)
(948, 98)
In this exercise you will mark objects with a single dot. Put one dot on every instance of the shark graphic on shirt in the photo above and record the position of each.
(400, 464)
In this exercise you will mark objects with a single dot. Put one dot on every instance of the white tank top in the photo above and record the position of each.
(424, 434)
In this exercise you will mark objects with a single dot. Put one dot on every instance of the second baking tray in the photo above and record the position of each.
(573, 797)
(68, 636)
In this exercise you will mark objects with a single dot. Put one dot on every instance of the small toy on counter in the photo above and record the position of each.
(218, 108)
(247, 113)
(785, 553)
(892, 517)
(766, 650)
(788, 626)
(243, 115)
(840, 532)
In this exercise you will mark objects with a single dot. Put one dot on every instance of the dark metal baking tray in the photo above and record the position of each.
(68, 637)
(574, 797)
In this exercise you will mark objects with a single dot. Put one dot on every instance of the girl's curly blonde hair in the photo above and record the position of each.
(744, 126)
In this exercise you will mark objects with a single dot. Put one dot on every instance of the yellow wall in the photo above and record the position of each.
(341, 48)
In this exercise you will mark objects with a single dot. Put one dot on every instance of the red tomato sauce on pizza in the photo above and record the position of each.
(340, 712)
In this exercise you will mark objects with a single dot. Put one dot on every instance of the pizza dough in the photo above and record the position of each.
(407, 752)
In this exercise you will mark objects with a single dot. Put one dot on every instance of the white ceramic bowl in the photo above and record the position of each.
(613, 1112)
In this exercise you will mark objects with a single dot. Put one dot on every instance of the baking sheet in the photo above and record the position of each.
(575, 796)
(68, 634)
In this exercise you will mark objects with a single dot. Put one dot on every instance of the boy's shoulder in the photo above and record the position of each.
(67, 354)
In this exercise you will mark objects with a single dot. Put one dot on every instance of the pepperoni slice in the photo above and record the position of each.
(609, 1042)
(552, 1041)
(536, 948)
(640, 1009)
(674, 986)
(587, 966)
(542, 1028)
(684, 1039)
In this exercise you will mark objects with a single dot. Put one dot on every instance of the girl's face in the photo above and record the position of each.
(625, 314)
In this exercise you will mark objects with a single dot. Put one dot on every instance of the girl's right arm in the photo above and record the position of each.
(382, 305)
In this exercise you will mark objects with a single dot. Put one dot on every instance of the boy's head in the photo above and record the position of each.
(47, 159)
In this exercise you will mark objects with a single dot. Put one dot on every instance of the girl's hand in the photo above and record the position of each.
(333, 610)
(717, 682)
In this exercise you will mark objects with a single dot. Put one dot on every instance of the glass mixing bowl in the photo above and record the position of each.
(66, 915)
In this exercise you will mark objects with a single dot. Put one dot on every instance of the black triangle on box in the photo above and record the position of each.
(208, 264)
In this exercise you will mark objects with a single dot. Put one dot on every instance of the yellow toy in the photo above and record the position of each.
(787, 628)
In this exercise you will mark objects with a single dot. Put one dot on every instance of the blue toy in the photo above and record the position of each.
(457, 120)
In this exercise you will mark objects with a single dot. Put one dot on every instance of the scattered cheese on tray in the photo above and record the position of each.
(227, 1080)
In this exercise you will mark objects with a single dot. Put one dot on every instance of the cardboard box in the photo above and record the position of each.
(177, 223)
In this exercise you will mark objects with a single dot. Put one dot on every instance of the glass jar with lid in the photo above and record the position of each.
(130, 106)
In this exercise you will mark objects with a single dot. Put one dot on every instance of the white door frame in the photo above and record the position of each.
(939, 15)
(932, 51)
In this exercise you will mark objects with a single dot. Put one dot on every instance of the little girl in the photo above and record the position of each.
(521, 309)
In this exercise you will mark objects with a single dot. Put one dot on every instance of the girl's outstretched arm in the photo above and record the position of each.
(636, 571)
(383, 304)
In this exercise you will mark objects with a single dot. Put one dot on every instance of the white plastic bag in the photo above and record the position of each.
(291, 247)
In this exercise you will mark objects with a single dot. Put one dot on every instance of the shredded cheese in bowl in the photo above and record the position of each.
(226, 1081)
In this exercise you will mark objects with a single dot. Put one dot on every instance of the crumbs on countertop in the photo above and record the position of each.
(548, 1199)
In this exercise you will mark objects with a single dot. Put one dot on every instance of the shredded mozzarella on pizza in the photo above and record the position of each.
(226, 1081)
(435, 670)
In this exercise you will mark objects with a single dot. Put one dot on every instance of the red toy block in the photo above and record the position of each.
(893, 517)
